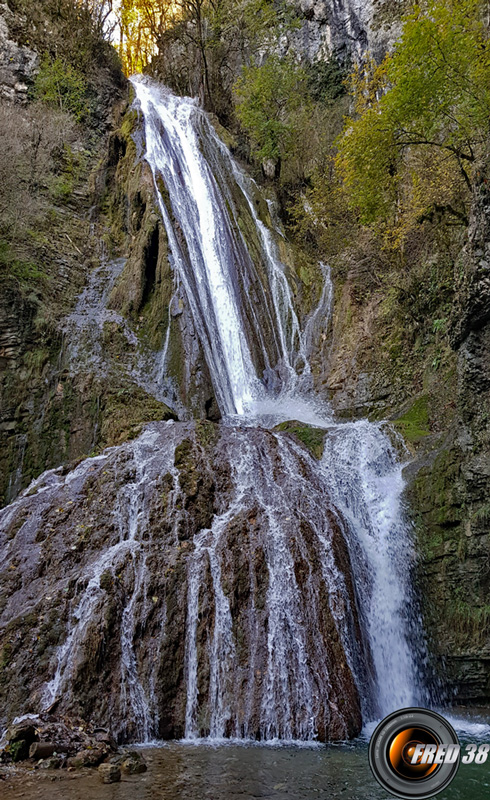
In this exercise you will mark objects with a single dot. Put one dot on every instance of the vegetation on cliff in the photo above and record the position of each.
(52, 139)
(421, 119)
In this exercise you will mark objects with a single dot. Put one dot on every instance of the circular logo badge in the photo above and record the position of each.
(410, 753)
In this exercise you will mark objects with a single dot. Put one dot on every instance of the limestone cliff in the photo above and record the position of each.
(347, 29)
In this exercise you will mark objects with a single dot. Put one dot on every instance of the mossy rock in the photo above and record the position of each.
(312, 438)
(414, 424)
(19, 751)
(185, 462)
(207, 433)
(126, 411)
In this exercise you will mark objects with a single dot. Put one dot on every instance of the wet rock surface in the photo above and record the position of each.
(154, 571)
(109, 773)
(133, 763)
(52, 742)
(450, 493)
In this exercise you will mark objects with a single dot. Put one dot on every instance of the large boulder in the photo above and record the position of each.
(195, 580)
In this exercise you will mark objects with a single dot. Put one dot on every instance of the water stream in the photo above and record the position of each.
(234, 772)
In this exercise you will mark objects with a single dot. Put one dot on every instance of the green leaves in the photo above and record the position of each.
(368, 162)
(439, 72)
(61, 86)
(267, 96)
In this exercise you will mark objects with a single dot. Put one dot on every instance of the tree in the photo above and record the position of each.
(421, 117)
(198, 46)
(267, 98)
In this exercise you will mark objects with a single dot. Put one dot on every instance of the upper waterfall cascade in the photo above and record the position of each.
(236, 296)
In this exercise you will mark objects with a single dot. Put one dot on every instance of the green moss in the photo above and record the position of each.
(129, 123)
(313, 438)
(176, 355)
(5, 659)
(24, 272)
(468, 622)
(207, 433)
(224, 134)
(19, 751)
(437, 496)
(35, 360)
(482, 515)
(125, 411)
(414, 424)
(106, 581)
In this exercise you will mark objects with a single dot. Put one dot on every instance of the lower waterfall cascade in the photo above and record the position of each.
(221, 581)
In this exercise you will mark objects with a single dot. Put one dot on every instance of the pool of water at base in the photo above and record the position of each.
(181, 771)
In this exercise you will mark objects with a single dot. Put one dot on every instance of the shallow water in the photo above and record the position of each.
(178, 771)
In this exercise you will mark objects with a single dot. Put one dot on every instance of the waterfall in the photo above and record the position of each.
(361, 468)
(237, 290)
(222, 580)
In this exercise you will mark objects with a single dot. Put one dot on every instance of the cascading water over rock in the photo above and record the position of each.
(218, 580)
(238, 292)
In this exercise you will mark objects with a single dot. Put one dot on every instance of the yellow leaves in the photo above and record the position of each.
(368, 82)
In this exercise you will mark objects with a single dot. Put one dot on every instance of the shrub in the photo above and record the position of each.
(58, 84)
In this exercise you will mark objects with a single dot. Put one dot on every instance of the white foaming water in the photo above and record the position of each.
(173, 152)
(468, 728)
(363, 471)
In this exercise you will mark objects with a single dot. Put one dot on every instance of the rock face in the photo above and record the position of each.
(344, 28)
(452, 491)
(18, 65)
(193, 581)
(71, 383)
